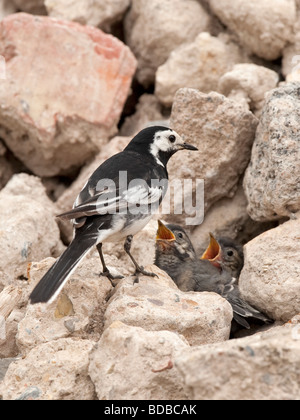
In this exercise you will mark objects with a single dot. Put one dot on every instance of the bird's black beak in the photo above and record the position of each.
(186, 146)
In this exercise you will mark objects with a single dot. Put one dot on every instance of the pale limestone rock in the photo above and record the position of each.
(262, 26)
(251, 80)
(10, 298)
(270, 279)
(291, 53)
(198, 65)
(153, 29)
(9, 330)
(265, 366)
(51, 122)
(56, 370)
(219, 127)
(88, 12)
(28, 230)
(156, 304)
(228, 218)
(130, 363)
(272, 181)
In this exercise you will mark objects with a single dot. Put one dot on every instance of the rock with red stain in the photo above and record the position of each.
(65, 88)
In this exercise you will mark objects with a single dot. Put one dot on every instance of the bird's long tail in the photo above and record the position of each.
(55, 279)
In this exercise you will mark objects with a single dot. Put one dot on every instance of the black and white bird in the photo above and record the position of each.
(215, 272)
(117, 202)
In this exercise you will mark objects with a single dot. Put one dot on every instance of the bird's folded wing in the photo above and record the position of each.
(244, 309)
(116, 201)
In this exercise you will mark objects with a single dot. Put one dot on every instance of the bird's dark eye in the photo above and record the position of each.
(172, 138)
(230, 253)
(180, 235)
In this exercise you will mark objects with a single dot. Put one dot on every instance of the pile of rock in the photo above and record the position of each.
(77, 81)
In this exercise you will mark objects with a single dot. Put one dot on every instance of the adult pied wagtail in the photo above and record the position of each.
(109, 209)
(215, 272)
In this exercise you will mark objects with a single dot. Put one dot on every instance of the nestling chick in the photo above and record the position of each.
(215, 272)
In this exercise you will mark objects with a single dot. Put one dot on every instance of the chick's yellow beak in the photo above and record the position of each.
(164, 234)
(214, 251)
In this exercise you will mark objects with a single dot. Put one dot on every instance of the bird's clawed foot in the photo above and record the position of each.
(113, 279)
(140, 271)
(106, 273)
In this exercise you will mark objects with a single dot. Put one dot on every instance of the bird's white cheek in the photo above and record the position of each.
(163, 145)
(181, 249)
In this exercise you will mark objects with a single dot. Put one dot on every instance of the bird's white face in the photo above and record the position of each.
(167, 141)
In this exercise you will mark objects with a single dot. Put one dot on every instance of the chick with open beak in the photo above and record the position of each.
(165, 236)
(225, 254)
(174, 251)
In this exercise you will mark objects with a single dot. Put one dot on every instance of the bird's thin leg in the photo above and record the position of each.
(139, 270)
(106, 272)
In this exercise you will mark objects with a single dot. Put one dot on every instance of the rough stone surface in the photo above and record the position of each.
(270, 279)
(4, 364)
(130, 363)
(272, 181)
(9, 330)
(82, 299)
(88, 12)
(218, 127)
(291, 61)
(228, 218)
(156, 304)
(10, 298)
(291, 57)
(153, 29)
(249, 82)
(198, 65)
(262, 367)
(28, 231)
(54, 371)
(263, 26)
(54, 124)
